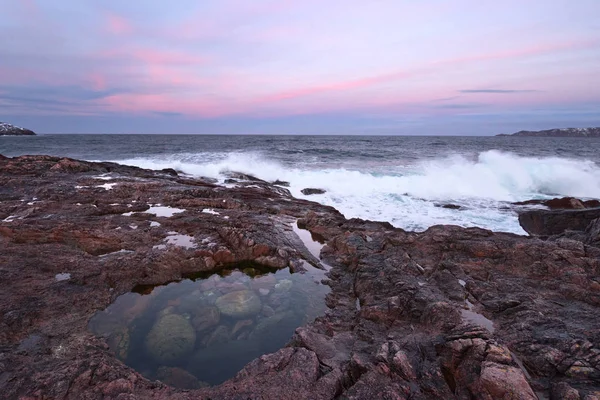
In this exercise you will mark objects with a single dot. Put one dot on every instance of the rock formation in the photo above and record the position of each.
(310, 191)
(564, 132)
(554, 222)
(11, 130)
(449, 313)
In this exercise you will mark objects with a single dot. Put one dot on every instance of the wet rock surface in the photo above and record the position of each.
(395, 328)
(311, 191)
(562, 203)
(554, 222)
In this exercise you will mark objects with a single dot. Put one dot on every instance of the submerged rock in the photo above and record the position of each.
(171, 338)
(283, 285)
(239, 304)
(178, 378)
(119, 342)
(219, 335)
(270, 323)
(205, 318)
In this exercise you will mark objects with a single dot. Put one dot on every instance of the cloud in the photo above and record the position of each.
(499, 91)
(118, 25)
(267, 58)
(167, 114)
(446, 98)
(464, 106)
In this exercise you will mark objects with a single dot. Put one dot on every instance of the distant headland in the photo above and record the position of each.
(11, 130)
(564, 132)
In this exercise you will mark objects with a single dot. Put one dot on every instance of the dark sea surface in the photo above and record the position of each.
(398, 179)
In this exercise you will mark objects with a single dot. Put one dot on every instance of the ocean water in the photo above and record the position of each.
(402, 180)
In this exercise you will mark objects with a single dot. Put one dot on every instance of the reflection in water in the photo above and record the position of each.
(313, 244)
(477, 318)
(202, 332)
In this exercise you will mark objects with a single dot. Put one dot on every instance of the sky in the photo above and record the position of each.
(389, 67)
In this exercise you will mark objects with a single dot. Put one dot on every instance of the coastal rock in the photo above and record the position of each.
(119, 342)
(564, 132)
(563, 203)
(171, 337)
(593, 232)
(310, 191)
(178, 378)
(239, 304)
(395, 326)
(12, 130)
(281, 183)
(449, 206)
(505, 382)
(554, 222)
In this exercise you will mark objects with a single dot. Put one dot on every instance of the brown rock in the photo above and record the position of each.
(178, 378)
(505, 382)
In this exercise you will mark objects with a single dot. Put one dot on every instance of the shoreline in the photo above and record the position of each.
(417, 332)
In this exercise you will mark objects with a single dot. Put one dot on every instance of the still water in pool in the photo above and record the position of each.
(201, 332)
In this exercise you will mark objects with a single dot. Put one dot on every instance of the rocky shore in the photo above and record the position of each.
(449, 313)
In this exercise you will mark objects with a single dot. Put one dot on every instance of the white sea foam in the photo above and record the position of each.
(406, 195)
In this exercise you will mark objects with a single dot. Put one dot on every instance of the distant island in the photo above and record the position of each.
(11, 130)
(565, 132)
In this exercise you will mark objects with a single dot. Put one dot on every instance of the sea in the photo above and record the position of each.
(404, 180)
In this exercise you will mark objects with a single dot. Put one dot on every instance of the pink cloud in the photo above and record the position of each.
(391, 77)
(166, 57)
(118, 25)
(31, 8)
(98, 81)
(149, 103)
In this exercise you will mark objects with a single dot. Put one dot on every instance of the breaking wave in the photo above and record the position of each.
(408, 195)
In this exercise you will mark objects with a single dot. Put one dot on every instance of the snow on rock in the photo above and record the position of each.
(8, 129)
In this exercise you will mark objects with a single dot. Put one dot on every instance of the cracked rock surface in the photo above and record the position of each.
(449, 313)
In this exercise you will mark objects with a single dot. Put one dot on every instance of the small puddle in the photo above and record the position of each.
(180, 240)
(107, 186)
(10, 218)
(313, 243)
(203, 330)
(104, 177)
(210, 211)
(159, 211)
(476, 318)
(64, 276)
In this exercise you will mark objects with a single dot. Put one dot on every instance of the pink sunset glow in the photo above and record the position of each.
(270, 59)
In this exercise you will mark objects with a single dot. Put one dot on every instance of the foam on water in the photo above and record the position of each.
(405, 195)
